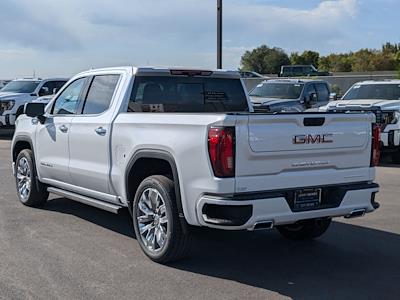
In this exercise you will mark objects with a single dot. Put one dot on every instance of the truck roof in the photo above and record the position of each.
(167, 71)
(386, 81)
(297, 65)
(40, 79)
(288, 80)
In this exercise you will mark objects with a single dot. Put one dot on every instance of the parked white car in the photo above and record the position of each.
(182, 148)
(15, 94)
(382, 98)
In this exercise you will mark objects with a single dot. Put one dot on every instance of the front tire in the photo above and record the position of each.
(305, 230)
(156, 221)
(31, 192)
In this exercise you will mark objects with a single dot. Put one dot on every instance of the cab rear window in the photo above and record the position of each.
(187, 94)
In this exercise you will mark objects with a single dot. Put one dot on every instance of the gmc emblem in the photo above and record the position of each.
(313, 139)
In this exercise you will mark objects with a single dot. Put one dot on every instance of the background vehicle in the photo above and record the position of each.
(15, 94)
(289, 95)
(182, 148)
(301, 70)
(383, 99)
(249, 74)
(3, 83)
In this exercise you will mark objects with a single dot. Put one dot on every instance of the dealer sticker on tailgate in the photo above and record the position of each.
(306, 199)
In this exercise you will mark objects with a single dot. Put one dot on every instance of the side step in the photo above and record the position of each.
(86, 200)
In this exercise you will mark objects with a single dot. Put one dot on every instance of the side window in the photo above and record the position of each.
(298, 71)
(57, 85)
(68, 102)
(307, 70)
(100, 94)
(323, 92)
(310, 89)
(51, 88)
(46, 89)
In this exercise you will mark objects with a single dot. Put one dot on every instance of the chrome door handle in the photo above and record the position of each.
(63, 128)
(101, 131)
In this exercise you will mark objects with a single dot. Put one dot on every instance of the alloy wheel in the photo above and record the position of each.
(24, 178)
(153, 220)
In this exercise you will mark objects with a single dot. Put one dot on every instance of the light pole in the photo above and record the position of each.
(219, 34)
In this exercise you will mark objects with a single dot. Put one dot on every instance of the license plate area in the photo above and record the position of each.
(307, 199)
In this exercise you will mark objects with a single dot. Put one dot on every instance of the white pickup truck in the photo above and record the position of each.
(15, 94)
(383, 99)
(183, 148)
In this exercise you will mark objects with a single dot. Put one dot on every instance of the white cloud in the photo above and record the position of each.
(65, 36)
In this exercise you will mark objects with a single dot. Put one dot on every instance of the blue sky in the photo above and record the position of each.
(63, 37)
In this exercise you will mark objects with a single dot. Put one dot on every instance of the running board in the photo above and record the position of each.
(85, 200)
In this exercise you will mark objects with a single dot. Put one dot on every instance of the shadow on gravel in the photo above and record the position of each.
(348, 262)
(387, 162)
(118, 223)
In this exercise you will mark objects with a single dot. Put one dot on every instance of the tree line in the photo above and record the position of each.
(266, 60)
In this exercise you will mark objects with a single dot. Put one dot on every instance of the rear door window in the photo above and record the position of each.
(100, 94)
(322, 92)
(187, 94)
(310, 89)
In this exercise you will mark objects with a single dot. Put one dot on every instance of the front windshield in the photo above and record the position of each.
(374, 91)
(21, 86)
(278, 90)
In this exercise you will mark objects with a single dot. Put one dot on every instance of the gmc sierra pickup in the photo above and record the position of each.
(183, 148)
(383, 99)
(15, 94)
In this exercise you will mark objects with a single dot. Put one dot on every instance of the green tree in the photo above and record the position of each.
(264, 60)
(308, 57)
(391, 48)
(336, 63)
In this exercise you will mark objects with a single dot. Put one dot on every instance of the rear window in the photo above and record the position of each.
(187, 94)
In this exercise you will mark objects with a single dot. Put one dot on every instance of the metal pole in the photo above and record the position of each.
(219, 34)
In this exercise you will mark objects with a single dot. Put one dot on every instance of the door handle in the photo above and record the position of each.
(63, 128)
(101, 131)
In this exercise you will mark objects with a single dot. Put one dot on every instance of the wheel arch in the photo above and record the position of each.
(20, 143)
(162, 157)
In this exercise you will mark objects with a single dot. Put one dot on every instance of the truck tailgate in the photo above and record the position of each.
(302, 150)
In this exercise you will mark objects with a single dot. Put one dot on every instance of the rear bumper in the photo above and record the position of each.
(241, 212)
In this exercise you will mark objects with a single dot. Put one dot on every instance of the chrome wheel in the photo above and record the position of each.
(24, 178)
(152, 220)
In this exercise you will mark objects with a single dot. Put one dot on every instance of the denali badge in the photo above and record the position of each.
(312, 139)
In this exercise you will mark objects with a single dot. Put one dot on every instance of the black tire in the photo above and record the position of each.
(176, 243)
(396, 157)
(305, 230)
(36, 195)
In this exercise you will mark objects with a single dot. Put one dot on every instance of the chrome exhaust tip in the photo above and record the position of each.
(263, 225)
(356, 213)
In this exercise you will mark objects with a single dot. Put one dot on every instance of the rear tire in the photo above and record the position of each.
(31, 192)
(156, 221)
(305, 230)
